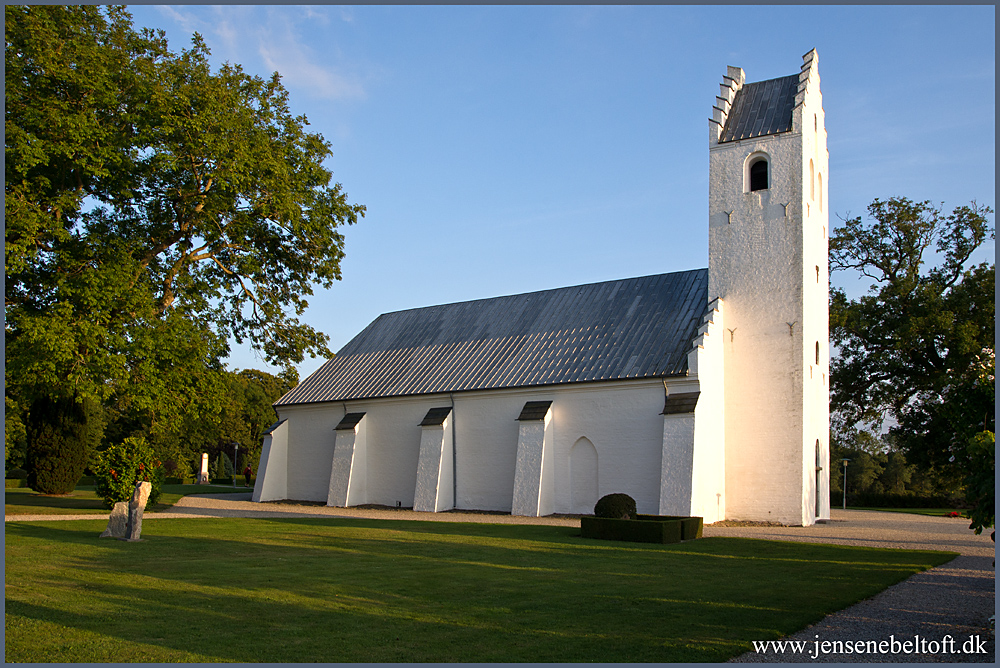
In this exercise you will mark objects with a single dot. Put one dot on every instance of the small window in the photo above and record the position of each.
(758, 175)
(817, 353)
(817, 273)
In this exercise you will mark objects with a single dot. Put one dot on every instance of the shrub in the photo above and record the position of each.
(121, 466)
(60, 434)
(17, 474)
(223, 467)
(887, 500)
(616, 506)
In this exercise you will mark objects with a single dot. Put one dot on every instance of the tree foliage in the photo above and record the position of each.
(911, 350)
(981, 481)
(155, 209)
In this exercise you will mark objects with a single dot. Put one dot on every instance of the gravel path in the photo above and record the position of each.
(954, 600)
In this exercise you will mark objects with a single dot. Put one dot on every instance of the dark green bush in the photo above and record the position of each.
(615, 506)
(17, 474)
(60, 434)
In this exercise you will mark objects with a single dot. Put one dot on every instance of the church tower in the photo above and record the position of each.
(768, 231)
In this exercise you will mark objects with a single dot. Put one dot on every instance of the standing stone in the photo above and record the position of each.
(135, 508)
(118, 522)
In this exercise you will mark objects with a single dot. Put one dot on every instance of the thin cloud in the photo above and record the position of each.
(282, 48)
(273, 36)
(298, 70)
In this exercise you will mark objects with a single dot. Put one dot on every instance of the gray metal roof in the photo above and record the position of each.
(632, 328)
(761, 108)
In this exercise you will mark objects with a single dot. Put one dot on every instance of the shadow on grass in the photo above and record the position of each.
(25, 501)
(281, 590)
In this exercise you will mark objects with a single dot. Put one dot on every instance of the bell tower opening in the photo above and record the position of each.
(758, 174)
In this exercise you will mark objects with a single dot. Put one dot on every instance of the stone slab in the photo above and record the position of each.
(117, 522)
(135, 509)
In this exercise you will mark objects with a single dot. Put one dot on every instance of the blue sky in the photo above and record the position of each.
(510, 149)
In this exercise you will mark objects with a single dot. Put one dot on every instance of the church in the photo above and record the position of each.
(701, 392)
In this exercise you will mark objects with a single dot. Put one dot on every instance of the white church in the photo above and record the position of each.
(701, 392)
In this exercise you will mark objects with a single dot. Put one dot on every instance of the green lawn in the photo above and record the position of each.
(338, 590)
(933, 512)
(83, 500)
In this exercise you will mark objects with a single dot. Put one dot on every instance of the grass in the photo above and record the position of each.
(339, 590)
(83, 500)
(933, 512)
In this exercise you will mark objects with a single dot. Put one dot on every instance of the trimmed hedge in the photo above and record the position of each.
(178, 481)
(691, 527)
(646, 529)
(11, 483)
(615, 506)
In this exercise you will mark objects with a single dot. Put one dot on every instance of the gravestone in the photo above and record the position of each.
(118, 522)
(203, 475)
(135, 508)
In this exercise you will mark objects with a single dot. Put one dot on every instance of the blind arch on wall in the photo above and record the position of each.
(583, 476)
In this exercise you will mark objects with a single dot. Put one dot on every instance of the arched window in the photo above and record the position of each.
(817, 353)
(758, 175)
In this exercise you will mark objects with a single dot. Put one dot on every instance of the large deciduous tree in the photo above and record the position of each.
(155, 208)
(913, 349)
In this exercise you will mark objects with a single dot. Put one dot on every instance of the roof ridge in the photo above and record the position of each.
(541, 291)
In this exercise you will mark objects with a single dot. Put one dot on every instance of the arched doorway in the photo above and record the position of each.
(583, 476)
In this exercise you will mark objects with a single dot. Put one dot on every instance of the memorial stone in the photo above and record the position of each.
(203, 475)
(118, 522)
(135, 508)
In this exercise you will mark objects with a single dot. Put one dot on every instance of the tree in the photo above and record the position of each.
(154, 209)
(908, 349)
(61, 434)
(981, 481)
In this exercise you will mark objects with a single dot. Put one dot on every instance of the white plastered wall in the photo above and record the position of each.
(621, 419)
(693, 469)
(435, 475)
(272, 471)
(763, 248)
(349, 468)
(533, 470)
(708, 479)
